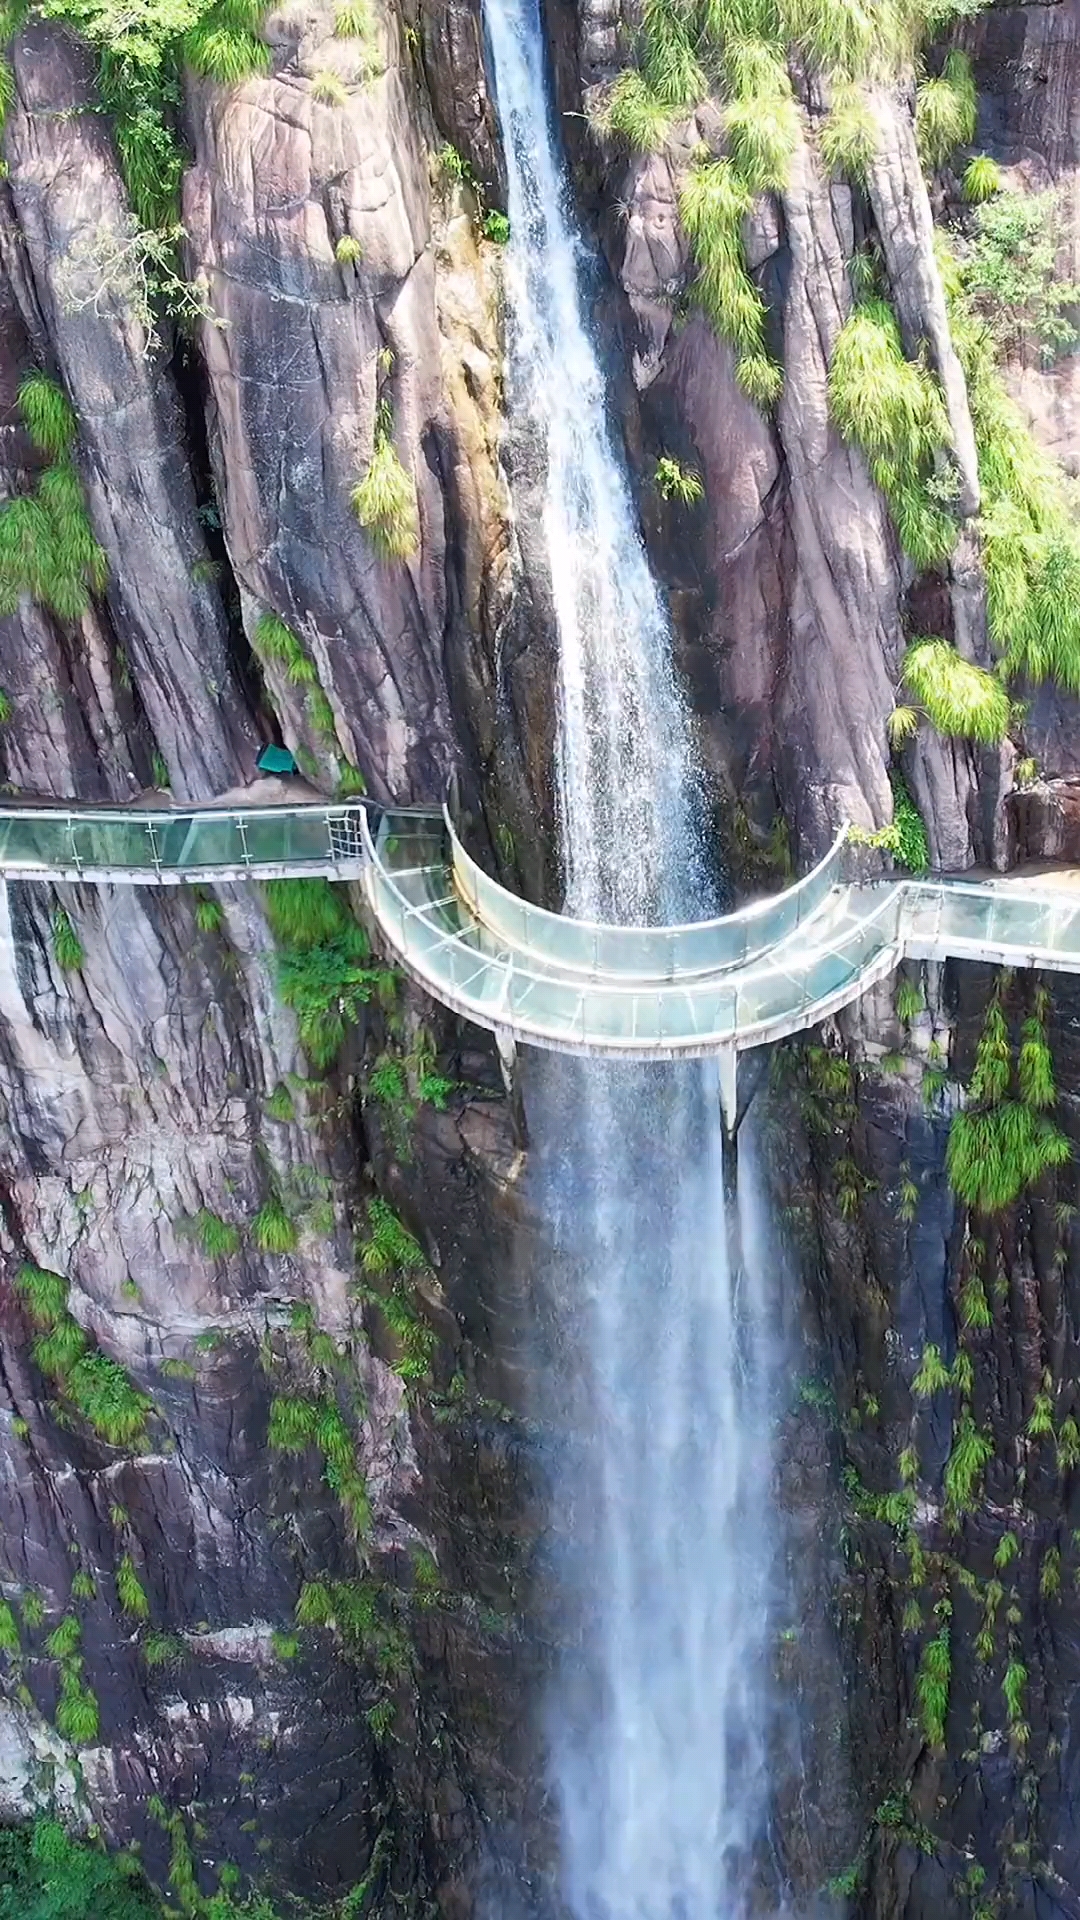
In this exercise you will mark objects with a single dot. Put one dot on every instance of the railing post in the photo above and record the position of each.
(155, 853)
(241, 829)
(74, 843)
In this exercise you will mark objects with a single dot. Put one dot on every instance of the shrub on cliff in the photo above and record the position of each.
(46, 1875)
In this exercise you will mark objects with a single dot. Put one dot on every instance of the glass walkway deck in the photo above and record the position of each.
(638, 993)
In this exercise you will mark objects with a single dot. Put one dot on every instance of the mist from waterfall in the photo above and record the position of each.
(656, 1381)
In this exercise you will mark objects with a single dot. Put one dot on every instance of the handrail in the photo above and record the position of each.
(602, 948)
(356, 803)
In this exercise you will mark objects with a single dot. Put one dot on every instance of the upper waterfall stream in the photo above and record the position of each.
(654, 1379)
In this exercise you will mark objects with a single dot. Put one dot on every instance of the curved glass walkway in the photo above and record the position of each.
(714, 987)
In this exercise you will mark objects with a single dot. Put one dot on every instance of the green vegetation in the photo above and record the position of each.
(1002, 1141)
(389, 1250)
(321, 951)
(933, 1375)
(216, 1237)
(971, 1451)
(273, 1230)
(1010, 273)
(982, 179)
(907, 1001)
(932, 1686)
(1013, 1688)
(348, 252)
(633, 112)
(496, 227)
(130, 1591)
(48, 415)
(946, 109)
(280, 1104)
(905, 837)
(959, 699)
(353, 20)
(64, 1639)
(46, 1875)
(329, 88)
(223, 44)
(676, 482)
(388, 1246)
(95, 1386)
(296, 1424)
(163, 1650)
(354, 1610)
(47, 548)
(892, 409)
(273, 640)
(77, 1716)
(713, 203)
(384, 498)
(209, 913)
(849, 134)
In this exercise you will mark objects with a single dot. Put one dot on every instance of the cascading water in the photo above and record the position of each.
(655, 1383)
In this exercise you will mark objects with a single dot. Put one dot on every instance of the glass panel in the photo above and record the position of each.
(1064, 930)
(544, 1004)
(772, 995)
(707, 949)
(198, 840)
(644, 953)
(287, 837)
(115, 842)
(922, 912)
(1021, 923)
(619, 1016)
(31, 841)
(964, 916)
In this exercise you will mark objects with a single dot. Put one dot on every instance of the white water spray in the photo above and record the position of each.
(655, 1387)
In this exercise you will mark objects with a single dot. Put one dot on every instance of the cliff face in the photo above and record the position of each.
(298, 1568)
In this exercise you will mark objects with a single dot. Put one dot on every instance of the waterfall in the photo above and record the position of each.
(655, 1376)
(624, 773)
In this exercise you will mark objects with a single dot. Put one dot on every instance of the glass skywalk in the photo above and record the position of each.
(529, 975)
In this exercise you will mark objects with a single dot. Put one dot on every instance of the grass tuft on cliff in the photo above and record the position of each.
(224, 45)
(932, 1684)
(676, 482)
(982, 179)
(960, 699)
(946, 110)
(849, 134)
(893, 410)
(713, 203)
(763, 132)
(632, 111)
(96, 1386)
(48, 414)
(1002, 1142)
(384, 500)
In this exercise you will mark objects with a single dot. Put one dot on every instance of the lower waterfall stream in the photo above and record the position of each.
(657, 1394)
